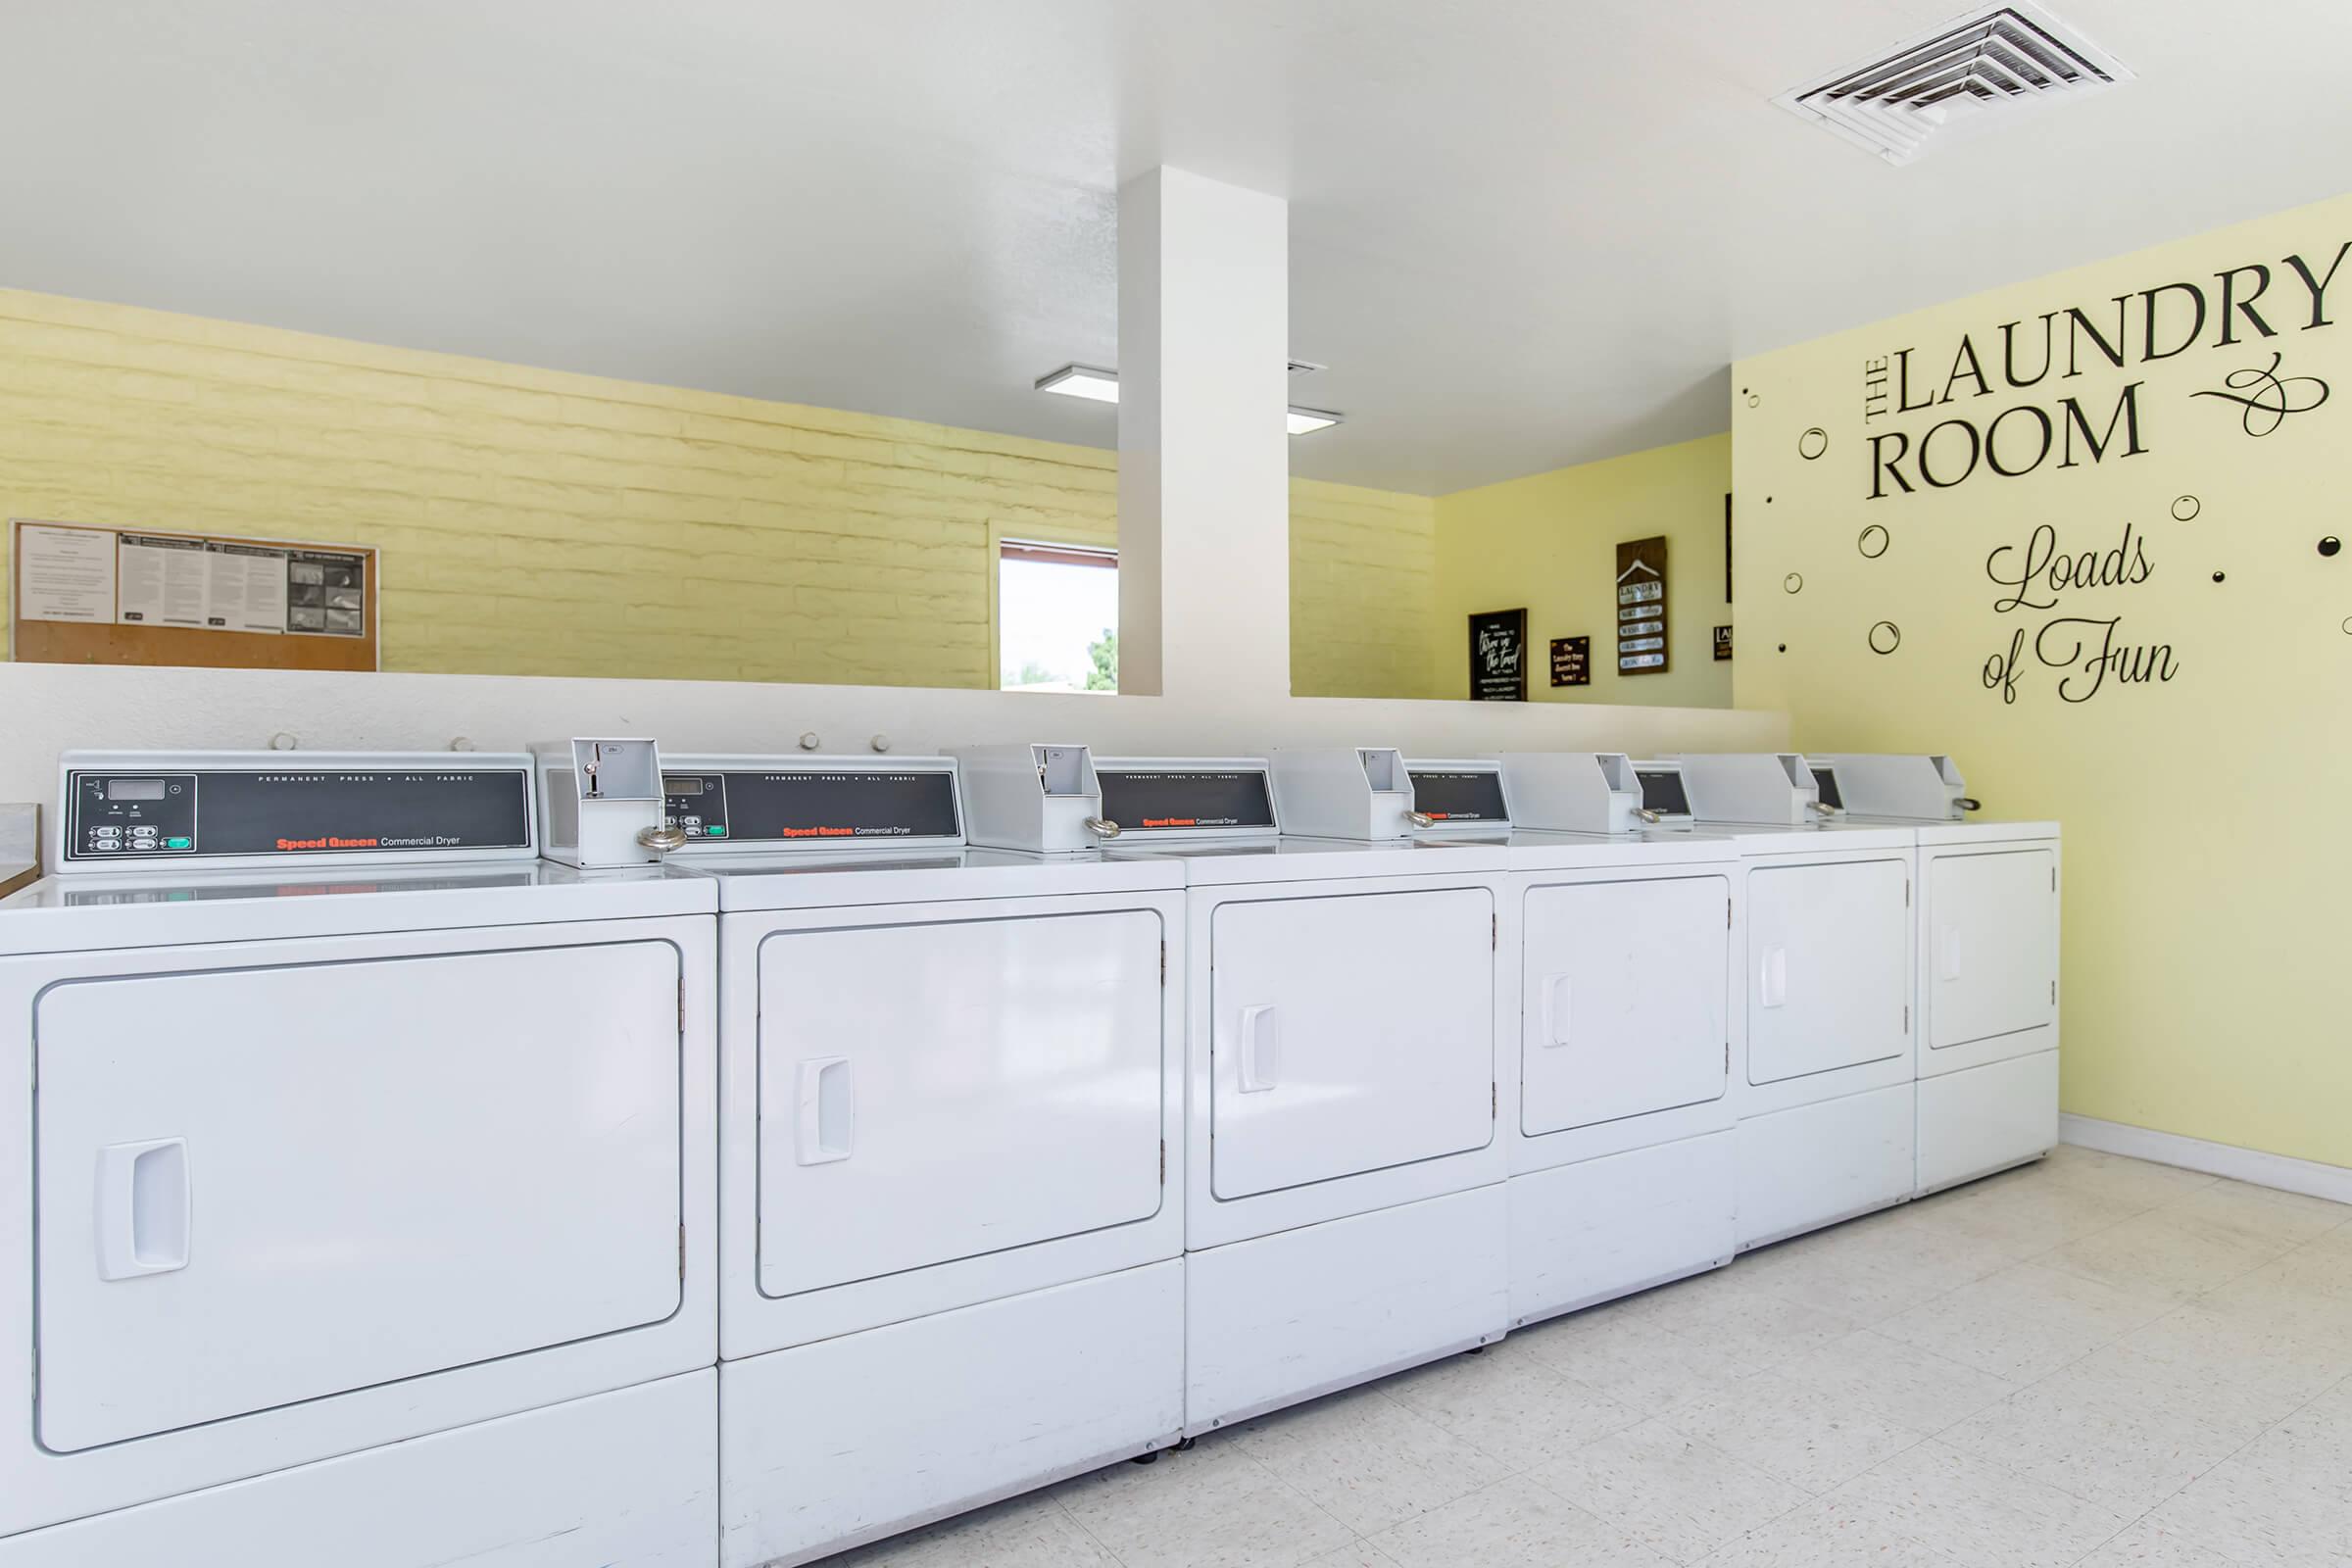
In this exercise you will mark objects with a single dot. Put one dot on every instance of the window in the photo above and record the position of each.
(1058, 618)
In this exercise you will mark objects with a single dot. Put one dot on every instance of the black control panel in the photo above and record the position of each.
(1825, 779)
(1662, 790)
(771, 806)
(1176, 800)
(1460, 795)
(199, 813)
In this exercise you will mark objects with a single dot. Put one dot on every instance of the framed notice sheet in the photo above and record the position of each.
(1642, 606)
(113, 596)
(1572, 661)
(1498, 656)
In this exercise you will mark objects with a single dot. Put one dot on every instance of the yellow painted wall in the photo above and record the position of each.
(1549, 541)
(1363, 592)
(536, 522)
(2208, 847)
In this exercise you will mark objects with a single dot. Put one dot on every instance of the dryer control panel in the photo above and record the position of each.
(1162, 798)
(126, 808)
(767, 803)
(1459, 794)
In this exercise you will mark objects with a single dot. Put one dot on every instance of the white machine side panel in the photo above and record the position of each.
(1282, 1318)
(1350, 1034)
(1992, 935)
(1604, 1228)
(933, 1091)
(1814, 1165)
(1827, 980)
(1622, 1000)
(628, 1476)
(268, 1185)
(829, 1444)
(1983, 1119)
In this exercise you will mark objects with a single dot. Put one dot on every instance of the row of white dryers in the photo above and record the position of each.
(434, 1201)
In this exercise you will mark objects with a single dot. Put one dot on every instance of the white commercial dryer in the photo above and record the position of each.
(1988, 945)
(951, 1158)
(1345, 1214)
(1619, 937)
(356, 1177)
(1827, 1101)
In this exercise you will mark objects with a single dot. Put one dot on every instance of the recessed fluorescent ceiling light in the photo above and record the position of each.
(1098, 385)
(1082, 381)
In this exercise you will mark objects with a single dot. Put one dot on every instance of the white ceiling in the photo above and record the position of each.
(1522, 234)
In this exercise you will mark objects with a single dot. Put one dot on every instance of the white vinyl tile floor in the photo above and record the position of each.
(2089, 1360)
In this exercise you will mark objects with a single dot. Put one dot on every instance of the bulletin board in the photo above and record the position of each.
(81, 595)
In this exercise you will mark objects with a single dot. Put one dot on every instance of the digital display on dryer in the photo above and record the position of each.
(1459, 794)
(1183, 798)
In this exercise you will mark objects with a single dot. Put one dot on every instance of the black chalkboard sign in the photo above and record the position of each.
(1498, 656)
(1572, 661)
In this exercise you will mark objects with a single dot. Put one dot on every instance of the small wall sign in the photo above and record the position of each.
(1572, 661)
(1642, 606)
(1498, 656)
(1723, 644)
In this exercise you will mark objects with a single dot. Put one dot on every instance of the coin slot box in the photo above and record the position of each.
(1363, 792)
(1579, 792)
(1041, 797)
(600, 802)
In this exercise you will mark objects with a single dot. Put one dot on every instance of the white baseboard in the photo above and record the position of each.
(2307, 1176)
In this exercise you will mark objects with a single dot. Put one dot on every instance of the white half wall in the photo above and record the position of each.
(47, 709)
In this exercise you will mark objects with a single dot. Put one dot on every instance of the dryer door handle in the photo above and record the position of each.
(1772, 980)
(1261, 1047)
(1559, 1002)
(827, 1112)
(144, 1208)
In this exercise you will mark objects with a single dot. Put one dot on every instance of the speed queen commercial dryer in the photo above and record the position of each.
(1623, 934)
(1988, 944)
(952, 1109)
(355, 1178)
(1827, 1102)
(1344, 1211)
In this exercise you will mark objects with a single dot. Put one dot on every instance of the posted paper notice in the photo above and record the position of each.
(64, 573)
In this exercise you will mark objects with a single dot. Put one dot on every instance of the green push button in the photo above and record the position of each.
(718, 832)
(177, 844)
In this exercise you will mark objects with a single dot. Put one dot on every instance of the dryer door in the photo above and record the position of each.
(1350, 1034)
(930, 1092)
(1623, 1004)
(1992, 928)
(261, 1186)
(1828, 966)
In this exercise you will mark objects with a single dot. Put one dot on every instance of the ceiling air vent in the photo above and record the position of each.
(1974, 72)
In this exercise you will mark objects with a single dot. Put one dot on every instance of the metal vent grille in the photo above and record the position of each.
(1970, 75)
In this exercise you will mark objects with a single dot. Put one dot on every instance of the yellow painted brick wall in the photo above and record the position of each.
(538, 522)
(1363, 590)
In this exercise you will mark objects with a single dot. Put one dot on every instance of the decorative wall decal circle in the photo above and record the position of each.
(1754, 400)
(1873, 541)
(2218, 576)
(1813, 443)
(2330, 545)
(2186, 507)
(1793, 583)
(2347, 632)
(1886, 637)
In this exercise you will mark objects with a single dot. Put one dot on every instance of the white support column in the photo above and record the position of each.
(1204, 480)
